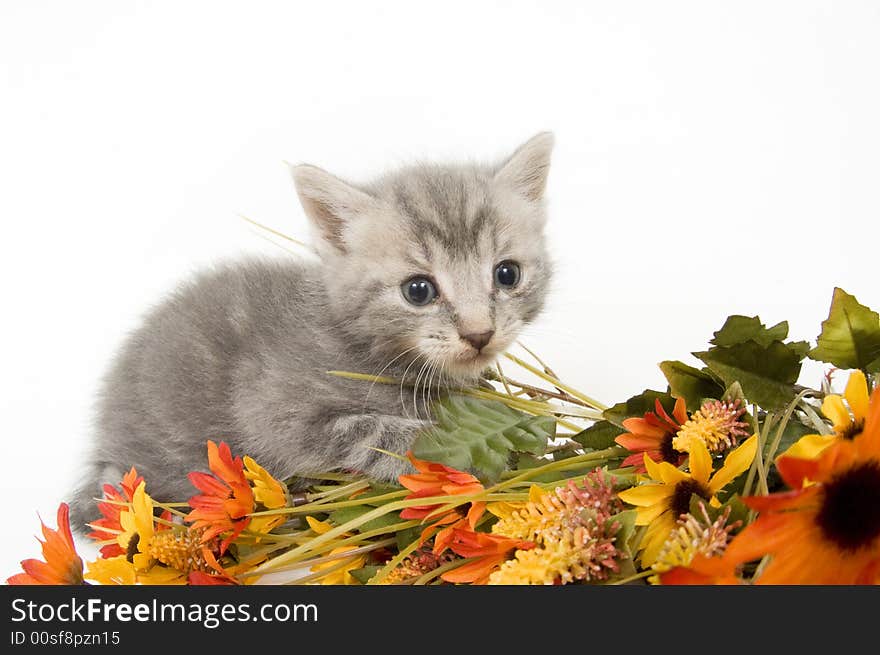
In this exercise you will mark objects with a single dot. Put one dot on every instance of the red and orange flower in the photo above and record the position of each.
(653, 435)
(62, 565)
(439, 480)
(226, 500)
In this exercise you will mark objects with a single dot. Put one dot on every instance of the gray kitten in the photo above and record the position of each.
(425, 275)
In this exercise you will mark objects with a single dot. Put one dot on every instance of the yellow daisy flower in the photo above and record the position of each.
(846, 426)
(662, 502)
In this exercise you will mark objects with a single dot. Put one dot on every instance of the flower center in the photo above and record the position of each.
(681, 497)
(132, 549)
(853, 430)
(850, 511)
(667, 452)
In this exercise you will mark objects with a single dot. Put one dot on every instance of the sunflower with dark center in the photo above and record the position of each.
(653, 435)
(668, 493)
(827, 530)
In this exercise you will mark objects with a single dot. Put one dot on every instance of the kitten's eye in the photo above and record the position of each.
(507, 275)
(419, 291)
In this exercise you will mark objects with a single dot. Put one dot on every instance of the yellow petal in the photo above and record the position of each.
(142, 508)
(320, 527)
(857, 395)
(646, 495)
(737, 461)
(834, 409)
(647, 515)
(700, 462)
(655, 536)
(810, 446)
(112, 571)
(662, 471)
(267, 490)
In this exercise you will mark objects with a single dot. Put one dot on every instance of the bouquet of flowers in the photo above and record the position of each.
(734, 474)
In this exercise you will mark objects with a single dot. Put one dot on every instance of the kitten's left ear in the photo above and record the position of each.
(526, 170)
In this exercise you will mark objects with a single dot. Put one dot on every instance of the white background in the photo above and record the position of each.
(712, 158)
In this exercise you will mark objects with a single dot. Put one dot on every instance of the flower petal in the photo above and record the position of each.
(646, 495)
(856, 394)
(700, 462)
(810, 446)
(663, 471)
(834, 409)
(737, 461)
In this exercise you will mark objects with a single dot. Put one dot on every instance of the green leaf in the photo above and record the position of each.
(408, 536)
(598, 436)
(346, 514)
(364, 573)
(638, 405)
(740, 329)
(850, 335)
(767, 374)
(475, 434)
(690, 383)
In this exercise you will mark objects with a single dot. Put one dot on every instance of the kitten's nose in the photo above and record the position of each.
(478, 339)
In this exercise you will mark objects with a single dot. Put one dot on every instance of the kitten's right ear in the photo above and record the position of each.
(329, 202)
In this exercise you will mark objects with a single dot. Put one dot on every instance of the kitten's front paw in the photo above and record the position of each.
(395, 435)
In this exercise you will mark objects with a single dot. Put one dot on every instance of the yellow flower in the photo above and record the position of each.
(269, 492)
(137, 528)
(660, 504)
(341, 575)
(846, 426)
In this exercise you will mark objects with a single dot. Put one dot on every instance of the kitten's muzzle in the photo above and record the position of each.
(478, 340)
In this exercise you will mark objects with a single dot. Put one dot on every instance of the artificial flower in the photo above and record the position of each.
(226, 499)
(572, 530)
(61, 565)
(137, 522)
(108, 527)
(847, 424)
(439, 480)
(488, 551)
(694, 549)
(828, 531)
(668, 496)
(269, 492)
(653, 435)
(717, 424)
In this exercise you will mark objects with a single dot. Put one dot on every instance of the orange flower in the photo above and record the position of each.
(653, 435)
(490, 551)
(827, 532)
(439, 480)
(108, 527)
(226, 499)
(62, 566)
(435, 480)
(703, 571)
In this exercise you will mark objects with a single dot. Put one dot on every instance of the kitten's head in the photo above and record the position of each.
(439, 265)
